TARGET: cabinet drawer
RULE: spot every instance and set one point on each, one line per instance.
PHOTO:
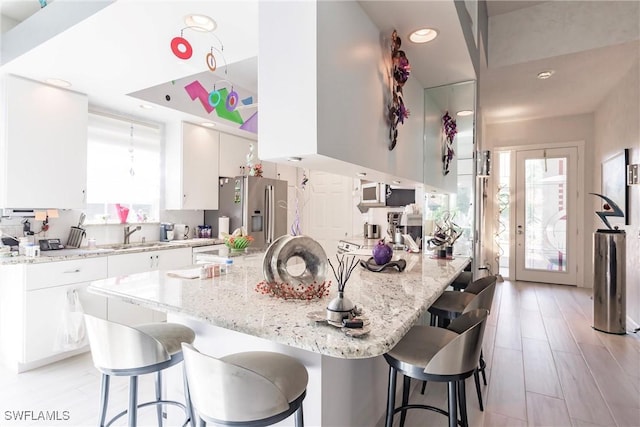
(65, 272)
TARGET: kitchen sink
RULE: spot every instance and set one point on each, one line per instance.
(120, 246)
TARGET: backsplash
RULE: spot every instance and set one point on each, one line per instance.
(102, 233)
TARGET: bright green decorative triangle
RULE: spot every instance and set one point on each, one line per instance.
(223, 113)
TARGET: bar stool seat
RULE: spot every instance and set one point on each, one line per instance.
(121, 350)
(436, 354)
(256, 388)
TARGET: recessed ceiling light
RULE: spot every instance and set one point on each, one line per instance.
(463, 113)
(208, 124)
(543, 75)
(423, 35)
(396, 182)
(362, 174)
(58, 82)
(200, 22)
(146, 106)
(294, 159)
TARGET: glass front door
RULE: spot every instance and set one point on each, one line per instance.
(545, 216)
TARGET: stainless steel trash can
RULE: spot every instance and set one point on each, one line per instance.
(609, 281)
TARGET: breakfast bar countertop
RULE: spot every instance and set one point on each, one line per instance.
(392, 301)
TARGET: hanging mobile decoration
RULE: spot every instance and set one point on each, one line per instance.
(296, 230)
(132, 172)
(181, 47)
(400, 70)
(449, 131)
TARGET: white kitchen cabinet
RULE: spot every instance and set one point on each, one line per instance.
(124, 264)
(233, 157)
(191, 167)
(43, 146)
(233, 154)
(32, 304)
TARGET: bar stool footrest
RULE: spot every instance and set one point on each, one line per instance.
(427, 407)
(153, 402)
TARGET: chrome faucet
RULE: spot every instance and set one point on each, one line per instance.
(128, 232)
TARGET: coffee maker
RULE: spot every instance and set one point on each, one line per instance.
(393, 228)
(166, 231)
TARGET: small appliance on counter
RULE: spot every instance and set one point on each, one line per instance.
(371, 231)
(166, 231)
(393, 228)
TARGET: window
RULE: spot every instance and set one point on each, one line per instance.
(123, 161)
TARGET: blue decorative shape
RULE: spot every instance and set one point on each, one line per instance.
(247, 101)
(615, 210)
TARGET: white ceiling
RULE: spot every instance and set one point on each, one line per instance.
(125, 49)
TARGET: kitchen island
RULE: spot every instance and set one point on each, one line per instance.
(347, 375)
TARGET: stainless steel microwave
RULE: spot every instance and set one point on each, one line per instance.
(372, 193)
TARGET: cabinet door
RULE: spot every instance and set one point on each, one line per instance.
(174, 258)
(233, 154)
(131, 314)
(45, 311)
(119, 265)
(199, 167)
(45, 146)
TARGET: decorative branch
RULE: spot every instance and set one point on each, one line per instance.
(343, 271)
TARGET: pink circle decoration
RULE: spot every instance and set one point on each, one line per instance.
(215, 98)
(181, 48)
(232, 100)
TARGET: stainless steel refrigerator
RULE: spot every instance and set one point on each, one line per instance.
(257, 203)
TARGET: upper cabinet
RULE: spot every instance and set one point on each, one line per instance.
(233, 157)
(43, 146)
(233, 154)
(191, 167)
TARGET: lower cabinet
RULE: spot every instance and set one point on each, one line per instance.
(33, 305)
(45, 327)
(33, 302)
(123, 264)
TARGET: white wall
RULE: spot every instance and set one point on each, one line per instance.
(554, 130)
(617, 127)
(327, 92)
(287, 79)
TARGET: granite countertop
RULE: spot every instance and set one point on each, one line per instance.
(392, 302)
(105, 250)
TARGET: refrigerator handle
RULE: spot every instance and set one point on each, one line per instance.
(270, 214)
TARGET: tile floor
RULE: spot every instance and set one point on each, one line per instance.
(546, 367)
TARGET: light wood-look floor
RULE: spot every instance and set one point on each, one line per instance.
(546, 367)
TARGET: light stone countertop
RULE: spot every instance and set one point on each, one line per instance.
(106, 250)
(392, 301)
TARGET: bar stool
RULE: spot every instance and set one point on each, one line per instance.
(120, 350)
(462, 280)
(429, 353)
(256, 388)
(452, 304)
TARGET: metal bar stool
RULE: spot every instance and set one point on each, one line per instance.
(429, 353)
(120, 350)
(451, 304)
(256, 388)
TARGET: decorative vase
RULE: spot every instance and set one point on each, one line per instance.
(449, 250)
(382, 253)
(442, 253)
(339, 308)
